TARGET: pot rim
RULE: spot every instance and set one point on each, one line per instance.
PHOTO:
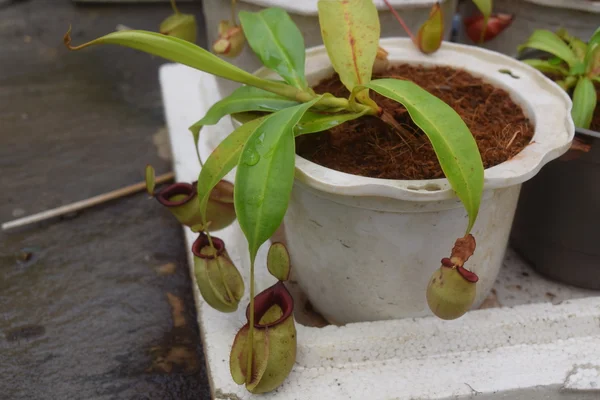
(588, 132)
(309, 7)
(532, 91)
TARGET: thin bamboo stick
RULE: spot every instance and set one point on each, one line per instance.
(80, 205)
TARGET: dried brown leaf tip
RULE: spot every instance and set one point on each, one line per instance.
(67, 38)
(463, 249)
(382, 62)
(382, 54)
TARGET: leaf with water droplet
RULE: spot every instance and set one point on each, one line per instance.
(250, 156)
(243, 99)
(222, 160)
(262, 191)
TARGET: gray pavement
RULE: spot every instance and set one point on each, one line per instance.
(97, 305)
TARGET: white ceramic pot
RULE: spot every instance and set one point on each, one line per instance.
(363, 249)
(580, 17)
(305, 15)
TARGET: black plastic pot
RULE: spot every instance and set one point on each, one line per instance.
(557, 223)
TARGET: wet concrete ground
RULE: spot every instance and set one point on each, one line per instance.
(97, 305)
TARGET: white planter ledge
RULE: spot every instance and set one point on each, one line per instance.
(545, 351)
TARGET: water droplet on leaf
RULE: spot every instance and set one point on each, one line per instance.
(251, 157)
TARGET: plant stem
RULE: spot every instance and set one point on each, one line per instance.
(174, 7)
(233, 4)
(198, 155)
(390, 120)
(400, 20)
(303, 97)
(485, 25)
(210, 242)
(249, 372)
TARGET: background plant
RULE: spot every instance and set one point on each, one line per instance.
(575, 64)
(263, 148)
(431, 33)
(180, 25)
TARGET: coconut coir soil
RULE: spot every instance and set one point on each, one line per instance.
(369, 147)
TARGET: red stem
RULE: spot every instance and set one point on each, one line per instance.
(485, 24)
(399, 19)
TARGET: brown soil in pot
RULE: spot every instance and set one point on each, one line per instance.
(369, 147)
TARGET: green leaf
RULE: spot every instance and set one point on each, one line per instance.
(316, 122)
(584, 103)
(244, 117)
(265, 175)
(350, 31)
(243, 99)
(222, 160)
(184, 52)
(546, 66)
(549, 42)
(278, 43)
(579, 47)
(567, 83)
(196, 135)
(452, 141)
(595, 38)
(485, 7)
(312, 121)
(592, 61)
(150, 179)
(555, 61)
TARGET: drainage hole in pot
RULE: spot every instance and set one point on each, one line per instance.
(430, 187)
(509, 73)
